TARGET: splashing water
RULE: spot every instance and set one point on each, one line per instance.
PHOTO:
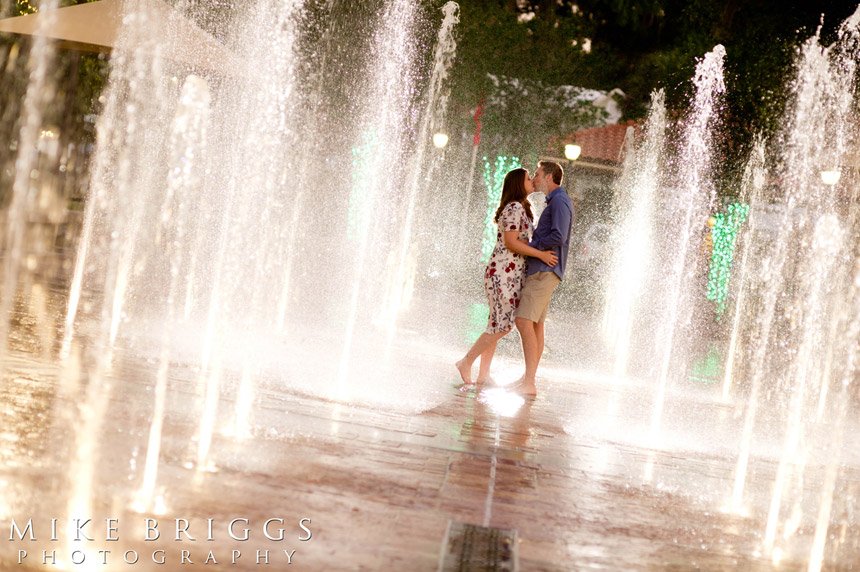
(695, 198)
(633, 241)
(267, 226)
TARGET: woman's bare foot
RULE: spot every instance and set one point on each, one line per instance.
(465, 371)
(485, 380)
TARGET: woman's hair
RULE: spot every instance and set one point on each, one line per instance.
(514, 191)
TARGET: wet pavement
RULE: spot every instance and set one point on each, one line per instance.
(574, 472)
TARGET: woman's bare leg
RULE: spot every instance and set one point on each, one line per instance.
(486, 360)
(484, 342)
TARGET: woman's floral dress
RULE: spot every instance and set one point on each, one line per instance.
(503, 279)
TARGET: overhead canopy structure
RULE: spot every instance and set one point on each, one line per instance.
(99, 25)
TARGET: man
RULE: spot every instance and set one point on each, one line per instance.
(552, 233)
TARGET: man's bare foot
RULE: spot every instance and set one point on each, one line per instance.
(465, 371)
(527, 388)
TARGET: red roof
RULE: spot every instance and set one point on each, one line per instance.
(600, 143)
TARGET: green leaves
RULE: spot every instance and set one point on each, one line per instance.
(638, 46)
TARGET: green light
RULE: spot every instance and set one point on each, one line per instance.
(478, 315)
(494, 178)
(724, 236)
(708, 369)
(358, 210)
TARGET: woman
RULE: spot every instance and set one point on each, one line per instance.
(503, 278)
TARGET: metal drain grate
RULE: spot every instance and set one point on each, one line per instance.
(473, 548)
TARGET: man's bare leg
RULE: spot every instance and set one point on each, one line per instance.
(484, 342)
(539, 333)
(486, 360)
(530, 354)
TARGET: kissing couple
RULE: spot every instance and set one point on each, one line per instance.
(526, 267)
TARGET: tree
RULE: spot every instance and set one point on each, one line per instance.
(642, 45)
(538, 47)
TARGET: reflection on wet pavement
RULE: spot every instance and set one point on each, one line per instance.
(573, 472)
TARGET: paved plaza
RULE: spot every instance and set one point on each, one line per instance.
(572, 472)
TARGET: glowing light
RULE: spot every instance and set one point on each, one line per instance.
(572, 151)
(830, 177)
(777, 556)
(502, 402)
(494, 177)
(24, 7)
(440, 140)
(724, 238)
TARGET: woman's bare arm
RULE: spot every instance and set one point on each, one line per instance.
(514, 244)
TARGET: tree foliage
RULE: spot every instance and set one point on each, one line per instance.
(641, 45)
(504, 40)
(634, 45)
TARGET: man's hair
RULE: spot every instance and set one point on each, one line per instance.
(552, 168)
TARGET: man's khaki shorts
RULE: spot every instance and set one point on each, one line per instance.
(536, 294)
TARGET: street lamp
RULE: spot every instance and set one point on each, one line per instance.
(572, 151)
(830, 177)
(440, 140)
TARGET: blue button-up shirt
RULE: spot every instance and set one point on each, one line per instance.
(553, 233)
